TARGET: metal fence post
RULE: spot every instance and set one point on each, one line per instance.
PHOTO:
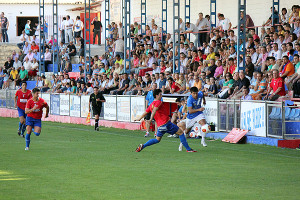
(116, 107)
(227, 116)
(235, 114)
(218, 114)
(283, 119)
(267, 118)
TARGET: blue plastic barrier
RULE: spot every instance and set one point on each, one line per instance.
(50, 68)
(75, 67)
(31, 84)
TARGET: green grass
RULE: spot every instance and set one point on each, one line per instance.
(74, 162)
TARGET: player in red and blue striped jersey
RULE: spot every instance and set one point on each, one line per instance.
(21, 97)
(159, 112)
(34, 111)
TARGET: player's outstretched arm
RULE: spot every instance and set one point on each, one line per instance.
(141, 117)
(153, 113)
(47, 111)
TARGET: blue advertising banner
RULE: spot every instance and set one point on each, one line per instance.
(55, 104)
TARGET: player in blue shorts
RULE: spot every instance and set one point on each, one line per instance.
(21, 97)
(34, 111)
(195, 113)
(159, 113)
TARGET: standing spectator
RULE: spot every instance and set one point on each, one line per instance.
(119, 47)
(68, 29)
(276, 87)
(78, 26)
(62, 30)
(2, 75)
(276, 18)
(28, 29)
(191, 28)
(224, 23)
(202, 25)
(45, 25)
(4, 27)
(97, 30)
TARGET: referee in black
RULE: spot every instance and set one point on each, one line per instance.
(96, 99)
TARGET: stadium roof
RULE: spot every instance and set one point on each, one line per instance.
(46, 1)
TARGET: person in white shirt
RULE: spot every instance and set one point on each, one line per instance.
(191, 28)
(26, 48)
(78, 26)
(224, 23)
(156, 69)
(27, 64)
(276, 52)
(120, 30)
(62, 30)
(119, 47)
(17, 64)
(68, 29)
(23, 39)
(202, 25)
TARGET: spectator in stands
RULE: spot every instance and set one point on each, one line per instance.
(249, 67)
(47, 59)
(224, 23)
(27, 64)
(4, 27)
(28, 29)
(13, 76)
(132, 83)
(5, 79)
(8, 64)
(287, 68)
(276, 18)
(26, 48)
(260, 87)
(34, 46)
(119, 47)
(78, 26)
(23, 76)
(46, 84)
(17, 63)
(291, 80)
(246, 95)
(23, 39)
(68, 29)
(192, 28)
(276, 88)
(72, 49)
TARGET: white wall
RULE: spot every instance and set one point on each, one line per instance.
(12, 11)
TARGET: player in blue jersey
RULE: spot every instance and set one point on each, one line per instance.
(195, 114)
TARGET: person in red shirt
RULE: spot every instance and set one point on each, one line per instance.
(34, 46)
(158, 112)
(277, 86)
(174, 87)
(34, 111)
(21, 97)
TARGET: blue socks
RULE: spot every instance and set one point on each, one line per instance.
(20, 126)
(27, 139)
(23, 129)
(37, 134)
(151, 142)
(184, 142)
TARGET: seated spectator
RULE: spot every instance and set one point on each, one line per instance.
(213, 89)
(124, 84)
(5, 79)
(27, 64)
(34, 69)
(8, 64)
(17, 63)
(276, 88)
(223, 94)
(132, 84)
(260, 87)
(242, 83)
(71, 49)
(23, 38)
(13, 76)
(34, 46)
(46, 84)
(89, 89)
(23, 76)
(47, 59)
(246, 95)
(249, 68)
(219, 70)
(26, 48)
(174, 87)
(292, 79)
(287, 68)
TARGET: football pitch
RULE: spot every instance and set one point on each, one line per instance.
(74, 162)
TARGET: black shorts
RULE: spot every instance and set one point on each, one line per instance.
(96, 110)
(77, 34)
(147, 117)
(81, 52)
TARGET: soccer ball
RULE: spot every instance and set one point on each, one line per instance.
(205, 128)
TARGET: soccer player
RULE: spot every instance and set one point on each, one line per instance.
(34, 111)
(195, 113)
(96, 99)
(21, 97)
(158, 112)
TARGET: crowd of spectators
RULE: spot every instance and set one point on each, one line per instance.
(209, 62)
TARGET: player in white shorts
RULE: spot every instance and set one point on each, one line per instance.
(195, 114)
